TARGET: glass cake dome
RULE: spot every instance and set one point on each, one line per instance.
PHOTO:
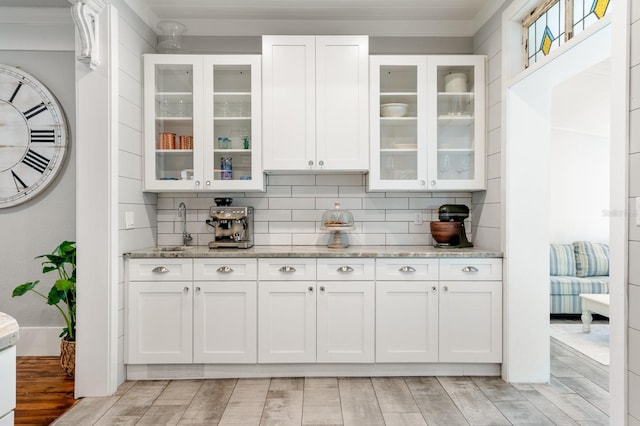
(337, 220)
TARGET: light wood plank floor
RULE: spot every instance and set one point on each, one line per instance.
(577, 395)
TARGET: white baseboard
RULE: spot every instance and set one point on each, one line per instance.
(38, 341)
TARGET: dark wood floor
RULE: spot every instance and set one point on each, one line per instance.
(43, 391)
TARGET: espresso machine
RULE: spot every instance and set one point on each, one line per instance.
(449, 232)
(233, 226)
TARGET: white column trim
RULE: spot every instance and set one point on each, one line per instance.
(85, 14)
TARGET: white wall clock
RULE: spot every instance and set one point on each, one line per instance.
(33, 137)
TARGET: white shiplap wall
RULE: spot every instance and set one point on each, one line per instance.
(487, 205)
(634, 231)
(290, 212)
(135, 39)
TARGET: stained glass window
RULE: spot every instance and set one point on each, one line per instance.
(545, 29)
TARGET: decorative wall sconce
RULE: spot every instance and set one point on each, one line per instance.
(85, 16)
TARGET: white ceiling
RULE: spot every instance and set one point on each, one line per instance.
(417, 18)
(372, 17)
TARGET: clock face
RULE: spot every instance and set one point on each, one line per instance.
(33, 136)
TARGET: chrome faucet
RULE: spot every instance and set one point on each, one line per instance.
(182, 212)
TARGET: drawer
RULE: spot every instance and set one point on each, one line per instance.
(287, 269)
(225, 269)
(406, 269)
(346, 269)
(160, 269)
(470, 269)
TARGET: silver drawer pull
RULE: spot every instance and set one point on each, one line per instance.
(407, 269)
(469, 269)
(160, 270)
(345, 269)
(287, 268)
(224, 269)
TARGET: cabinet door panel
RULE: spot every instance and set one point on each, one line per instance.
(289, 102)
(470, 321)
(159, 321)
(286, 322)
(342, 102)
(224, 319)
(346, 321)
(406, 322)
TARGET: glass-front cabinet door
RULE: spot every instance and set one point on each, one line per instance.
(232, 122)
(202, 122)
(456, 125)
(398, 123)
(173, 136)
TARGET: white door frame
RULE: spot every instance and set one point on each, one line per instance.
(526, 198)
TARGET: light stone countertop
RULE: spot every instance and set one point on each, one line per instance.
(8, 331)
(311, 251)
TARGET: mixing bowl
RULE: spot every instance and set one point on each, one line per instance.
(445, 232)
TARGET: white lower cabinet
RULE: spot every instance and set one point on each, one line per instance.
(327, 321)
(159, 322)
(426, 318)
(287, 322)
(307, 310)
(210, 317)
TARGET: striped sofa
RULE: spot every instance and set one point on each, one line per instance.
(580, 267)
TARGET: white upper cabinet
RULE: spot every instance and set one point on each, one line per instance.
(398, 123)
(203, 122)
(315, 103)
(456, 122)
(427, 119)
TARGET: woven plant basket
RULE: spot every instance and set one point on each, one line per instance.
(68, 356)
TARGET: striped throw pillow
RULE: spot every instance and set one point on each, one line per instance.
(592, 259)
(561, 259)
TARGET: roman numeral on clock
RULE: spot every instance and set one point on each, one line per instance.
(32, 112)
(15, 92)
(19, 182)
(36, 161)
(43, 136)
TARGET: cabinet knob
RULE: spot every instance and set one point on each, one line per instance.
(445, 288)
(433, 183)
(321, 163)
(208, 183)
(423, 183)
(198, 289)
(310, 289)
(186, 289)
(345, 269)
(469, 269)
(434, 289)
(224, 269)
(322, 289)
(160, 270)
(407, 269)
(310, 163)
(197, 184)
(287, 268)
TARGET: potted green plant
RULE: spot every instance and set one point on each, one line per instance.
(62, 295)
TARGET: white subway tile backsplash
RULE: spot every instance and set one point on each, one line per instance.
(386, 227)
(494, 141)
(291, 203)
(307, 215)
(292, 227)
(291, 210)
(314, 191)
(345, 203)
(272, 215)
(494, 116)
(386, 203)
(272, 239)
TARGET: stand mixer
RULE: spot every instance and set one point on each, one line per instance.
(449, 232)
